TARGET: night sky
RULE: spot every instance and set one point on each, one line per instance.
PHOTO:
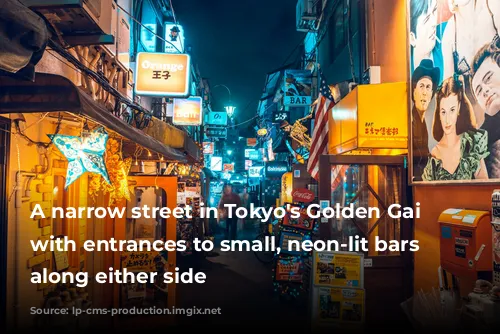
(236, 42)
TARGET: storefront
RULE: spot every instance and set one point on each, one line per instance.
(366, 167)
(56, 125)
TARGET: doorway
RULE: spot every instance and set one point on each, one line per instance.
(4, 155)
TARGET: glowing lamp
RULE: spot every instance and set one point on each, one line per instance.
(230, 110)
(84, 154)
(262, 132)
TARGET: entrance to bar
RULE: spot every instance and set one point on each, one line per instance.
(4, 153)
(373, 182)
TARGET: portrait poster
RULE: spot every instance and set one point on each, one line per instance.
(337, 269)
(289, 269)
(341, 305)
(297, 88)
(455, 90)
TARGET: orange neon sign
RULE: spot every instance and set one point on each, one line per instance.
(162, 74)
(188, 111)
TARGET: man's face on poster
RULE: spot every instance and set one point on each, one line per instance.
(422, 94)
(486, 85)
(424, 37)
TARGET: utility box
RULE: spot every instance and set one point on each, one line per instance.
(465, 243)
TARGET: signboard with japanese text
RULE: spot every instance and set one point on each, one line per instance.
(162, 74)
(208, 148)
(216, 164)
(216, 132)
(289, 269)
(176, 41)
(338, 269)
(279, 116)
(455, 104)
(297, 87)
(248, 164)
(139, 261)
(255, 172)
(188, 111)
(217, 118)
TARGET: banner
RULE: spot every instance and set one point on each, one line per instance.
(338, 269)
(455, 91)
(297, 88)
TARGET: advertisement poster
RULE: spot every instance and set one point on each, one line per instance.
(455, 76)
(341, 305)
(286, 236)
(338, 269)
(289, 269)
(304, 222)
(297, 88)
(139, 261)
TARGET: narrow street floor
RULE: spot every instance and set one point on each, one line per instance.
(242, 287)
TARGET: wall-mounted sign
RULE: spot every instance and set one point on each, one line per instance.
(252, 154)
(248, 164)
(162, 74)
(279, 116)
(228, 168)
(251, 142)
(217, 118)
(188, 111)
(216, 132)
(216, 164)
(302, 195)
(297, 88)
(255, 172)
(208, 148)
(276, 168)
(174, 33)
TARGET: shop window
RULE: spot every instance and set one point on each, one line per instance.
(367, 186)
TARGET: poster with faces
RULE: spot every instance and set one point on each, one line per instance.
(455, 90)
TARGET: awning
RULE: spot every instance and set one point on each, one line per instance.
(370, 117)
(55, 93)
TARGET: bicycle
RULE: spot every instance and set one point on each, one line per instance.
(266, 230)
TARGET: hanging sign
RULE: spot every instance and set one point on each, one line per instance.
(188, 111)
(228, 168)
(251, 142)
(302, 195)
(297, 88)
(216, 164)
(217, 118)
(279, 116)
(276, 168)
(255, 172)
(286, 188)
(176, 38)
(208, 148)
(248, 164)
(162, 74)
(216, 132)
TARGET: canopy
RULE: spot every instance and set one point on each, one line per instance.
(55, 93)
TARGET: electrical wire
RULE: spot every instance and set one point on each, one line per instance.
(151, 31)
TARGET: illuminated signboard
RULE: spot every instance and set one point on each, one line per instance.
(255, 171)
(297, 87)
(248, 164)
(177, 43)
(208, 148)
(162, 74)
(276, 168)
(228, 168)
(216, 164)
(188, 111)
(217, 118)
(252, 154)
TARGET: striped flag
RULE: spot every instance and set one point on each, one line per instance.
(319, 145)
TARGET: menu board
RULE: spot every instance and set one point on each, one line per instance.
(289, 269)
(339, 305)
(338, 269)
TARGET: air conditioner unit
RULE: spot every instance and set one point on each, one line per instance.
(307, 13)
(81, 22)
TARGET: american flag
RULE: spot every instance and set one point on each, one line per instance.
(319, 145)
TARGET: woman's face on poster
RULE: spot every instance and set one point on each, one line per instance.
(448, 114)
(424, 38)
(423, 93)
(486, 85)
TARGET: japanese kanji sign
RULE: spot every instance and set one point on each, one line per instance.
(162, 74)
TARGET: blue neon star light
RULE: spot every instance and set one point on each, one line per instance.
(84, 154)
